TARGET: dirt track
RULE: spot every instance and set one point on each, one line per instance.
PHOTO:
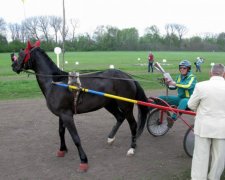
(29, 141)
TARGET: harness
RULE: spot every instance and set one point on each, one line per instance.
(74, 80)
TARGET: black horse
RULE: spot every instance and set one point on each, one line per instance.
(60, 100)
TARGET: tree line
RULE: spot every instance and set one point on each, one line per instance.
(48, 29)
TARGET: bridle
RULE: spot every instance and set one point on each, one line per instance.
(25, 55)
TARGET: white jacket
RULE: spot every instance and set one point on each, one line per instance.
(208, 100)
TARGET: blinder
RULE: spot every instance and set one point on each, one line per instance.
(21, 58)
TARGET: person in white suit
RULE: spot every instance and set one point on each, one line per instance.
(208, 101)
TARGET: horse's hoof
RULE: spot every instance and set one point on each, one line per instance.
(130, 152)
(111, 140)
(83, 167)
(60, 153)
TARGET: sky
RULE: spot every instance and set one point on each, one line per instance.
(199, 16)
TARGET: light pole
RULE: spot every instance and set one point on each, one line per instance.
(63, 34)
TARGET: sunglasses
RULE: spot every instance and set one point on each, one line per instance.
(182, 68)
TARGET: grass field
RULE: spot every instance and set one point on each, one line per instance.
(15, 86)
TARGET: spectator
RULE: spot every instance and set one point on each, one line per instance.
(208, 101)
(185, 83)
(150, 62)
(198, 63)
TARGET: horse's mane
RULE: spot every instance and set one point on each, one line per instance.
(55, 69)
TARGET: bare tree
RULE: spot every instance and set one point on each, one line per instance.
(99, 33)
(169, 32)
(74, 24)
(15, 30)
(66, 32)
(170, 29)
(2, 26)
(181, 30)
(171, 37)
(56, 24)
(31, 25)
(24, 33)
(152, 30)
(43, 26)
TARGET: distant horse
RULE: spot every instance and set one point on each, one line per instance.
(60, 100)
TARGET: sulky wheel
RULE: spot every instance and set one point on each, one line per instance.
(157, 124)
(189, 141)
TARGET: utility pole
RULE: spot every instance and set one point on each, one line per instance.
(63, 34)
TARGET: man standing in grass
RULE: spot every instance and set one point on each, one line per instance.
(198, 64)
(150, 62)
(208, 101)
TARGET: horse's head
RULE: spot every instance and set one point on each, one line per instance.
(23, 62)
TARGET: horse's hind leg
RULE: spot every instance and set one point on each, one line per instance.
(116, 112)
(68, 122)
(120, 116)
(63, 147)
(133, 127)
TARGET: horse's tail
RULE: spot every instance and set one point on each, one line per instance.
(142, 110)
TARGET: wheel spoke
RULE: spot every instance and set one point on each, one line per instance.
(154, 126)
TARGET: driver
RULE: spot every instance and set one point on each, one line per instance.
(185, 84)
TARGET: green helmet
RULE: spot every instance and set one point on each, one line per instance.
(185, 63)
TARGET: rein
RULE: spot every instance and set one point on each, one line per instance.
(30, 48)
(48, 75)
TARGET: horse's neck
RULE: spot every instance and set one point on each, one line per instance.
(45, 70)
(43, 65)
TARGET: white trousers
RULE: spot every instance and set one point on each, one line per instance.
(203, 149)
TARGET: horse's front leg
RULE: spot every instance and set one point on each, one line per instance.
(63, 148)
(67, 118)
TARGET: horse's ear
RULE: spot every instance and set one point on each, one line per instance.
(29, 46)
(37, 43)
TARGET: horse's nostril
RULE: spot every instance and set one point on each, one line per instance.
(14, 58)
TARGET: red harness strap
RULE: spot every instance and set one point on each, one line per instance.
(28, 48)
